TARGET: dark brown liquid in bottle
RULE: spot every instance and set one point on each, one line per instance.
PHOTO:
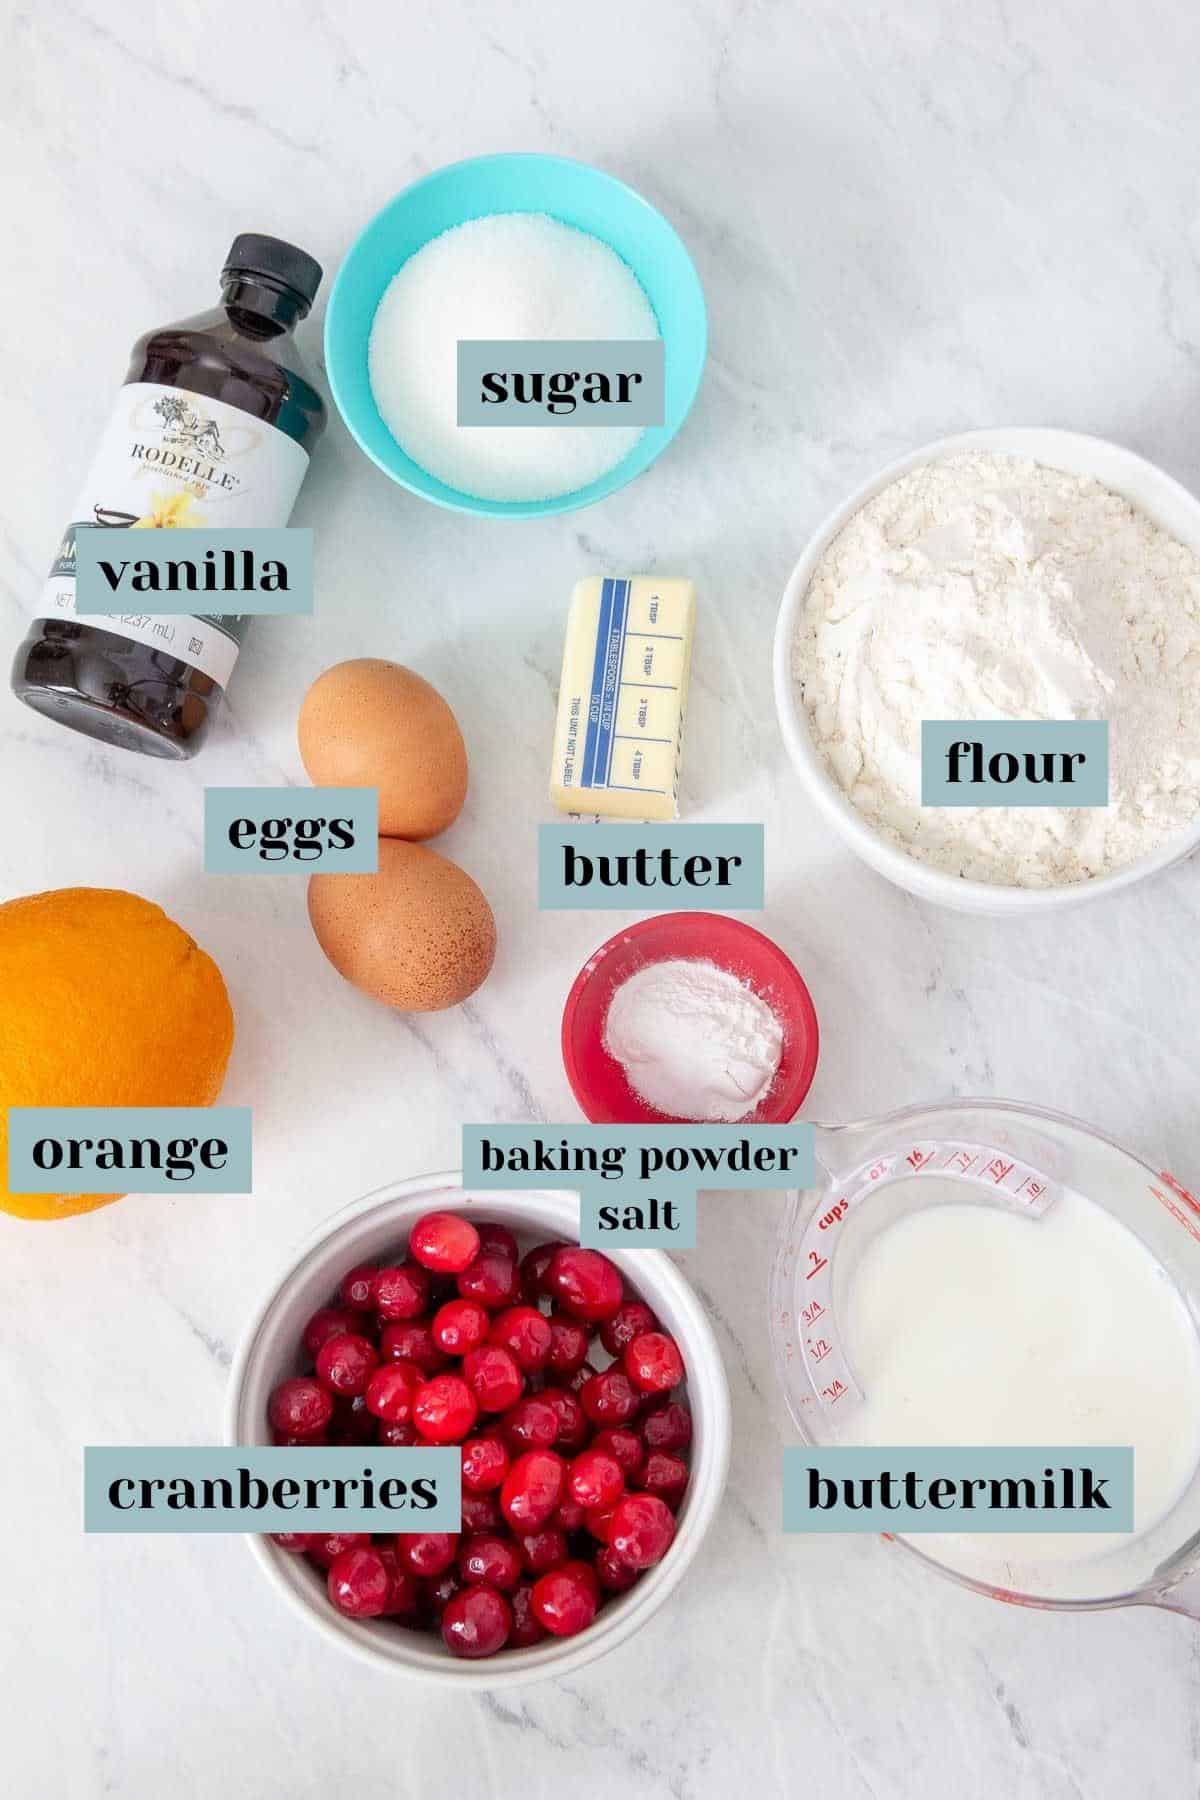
(136, 695)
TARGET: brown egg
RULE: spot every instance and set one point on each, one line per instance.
(418, 935)
(370, 723)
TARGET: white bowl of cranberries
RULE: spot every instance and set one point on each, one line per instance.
(586, 1392)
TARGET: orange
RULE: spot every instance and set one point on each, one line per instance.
(104, 1001)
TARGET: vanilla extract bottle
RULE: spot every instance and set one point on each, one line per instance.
(213, 427)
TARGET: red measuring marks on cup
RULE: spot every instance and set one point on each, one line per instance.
(1182, 1205)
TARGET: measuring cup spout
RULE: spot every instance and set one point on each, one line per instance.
(1183, 1597)
(828, 1149)
(840, 1148)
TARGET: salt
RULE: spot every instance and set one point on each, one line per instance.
(511, 275)
(693, 1040)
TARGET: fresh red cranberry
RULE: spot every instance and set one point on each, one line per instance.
(595, 1479)
(355, 1291)
(653, 1363)
(543, 1549)
(525, 1628)
(485, 1462)
(534, 1264)
(330, 1321)
(443, 1241)
(352, 1422)
(573, 1428)
(297, 1541)
(598, 1520)
(476, 1622)
(413, 1373)
(325, 1550)
(295, 1440)
(666, 1475)
(427, 1553)
(438, 1593)
(624, 1445)
(300, 1407)
(488, 1558)
(499, 1240)
(568, 1346)
(532, 1489)
(667, 1425)
(411, 1340)
(480, 1512)
(460, 1326)
(444, 1409)
(628, 1322)
(642, 1529)
(492, 1278)
(565, 1600)
(401, 1292)
(404, 1591)
(389, 1393)
(568, 1515)
(610, 1398)
(344, 1363)
(585, 1283)
(397, 1437)
(525, 1332)
(358, 1583)
(616, 1577)
(532, 1424)
(493, 1377)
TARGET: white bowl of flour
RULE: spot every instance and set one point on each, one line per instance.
(1017, 573)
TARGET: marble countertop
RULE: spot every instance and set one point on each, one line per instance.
(909, 220)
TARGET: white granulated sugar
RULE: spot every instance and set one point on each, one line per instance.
(990, 587)
(512, 275)
(693, 1040)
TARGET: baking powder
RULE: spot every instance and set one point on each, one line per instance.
(694, 1041)
(990, 587)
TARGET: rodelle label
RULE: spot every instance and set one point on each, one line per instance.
(1007, 762)
(168, 460)
(251, 571)
(961, 1488)
(291, 831)
(671, 868)
(561, 381)
(256, 1488)
(129, 1149)
(637, 1184)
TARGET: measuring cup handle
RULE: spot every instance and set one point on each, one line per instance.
(1183, 1598)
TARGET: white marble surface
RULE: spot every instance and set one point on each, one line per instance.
(909, 220)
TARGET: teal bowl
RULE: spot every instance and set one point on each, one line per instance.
(570, 191)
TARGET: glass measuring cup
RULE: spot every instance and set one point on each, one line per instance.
(1003, 1154)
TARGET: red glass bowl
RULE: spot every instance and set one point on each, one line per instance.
(598, 1082)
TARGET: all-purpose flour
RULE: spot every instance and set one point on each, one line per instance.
(990, 587)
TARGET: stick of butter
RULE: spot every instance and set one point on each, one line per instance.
(620, 706)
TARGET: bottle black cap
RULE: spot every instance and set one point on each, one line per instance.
(274, 261)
